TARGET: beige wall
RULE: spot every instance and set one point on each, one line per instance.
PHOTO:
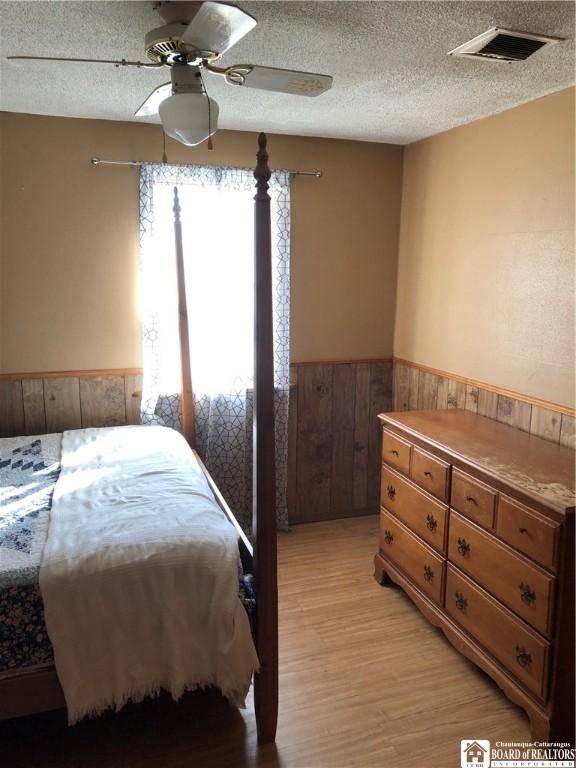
(69, 250)
(486, 264)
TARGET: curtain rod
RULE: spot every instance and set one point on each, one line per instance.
(98, 161)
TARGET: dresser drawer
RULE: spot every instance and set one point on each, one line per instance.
(474, 499)
(508, 639)
(396, 452)
(422, 513)
(418, 561)
(522, 586)
(430, 473)
(527, 531)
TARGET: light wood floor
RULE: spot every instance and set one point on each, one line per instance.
(365, 681)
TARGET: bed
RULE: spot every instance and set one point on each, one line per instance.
(34, 540)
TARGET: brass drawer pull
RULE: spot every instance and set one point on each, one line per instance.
(522, 656)
(428, 474)
(394, 452)
(472, 500)
(388, 537)
(461, 602)
(428, 574)
(463, 547)
(391, 492)
(431, 522)
(527, 595)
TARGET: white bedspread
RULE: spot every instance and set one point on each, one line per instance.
(139, 575)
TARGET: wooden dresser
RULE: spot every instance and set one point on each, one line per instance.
(477, 526)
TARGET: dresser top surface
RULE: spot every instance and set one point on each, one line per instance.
(541, 469)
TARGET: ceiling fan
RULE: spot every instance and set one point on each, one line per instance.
(194, 36)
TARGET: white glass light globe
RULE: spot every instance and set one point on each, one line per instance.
(184, 117)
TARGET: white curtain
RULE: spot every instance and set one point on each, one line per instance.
(218, 241)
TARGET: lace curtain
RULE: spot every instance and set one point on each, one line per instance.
(218, 240)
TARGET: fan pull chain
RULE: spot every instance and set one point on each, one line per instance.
(164, 156)
(209, 145)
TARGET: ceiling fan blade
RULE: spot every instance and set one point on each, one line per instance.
(153, 101)
(217, 27)
(280, 80)
(120, 63)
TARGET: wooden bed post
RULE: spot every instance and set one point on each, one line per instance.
(264, 477)
(187, 401)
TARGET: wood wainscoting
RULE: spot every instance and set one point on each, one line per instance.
(40, 403)
(420, 387)
(334, 435)
(334, 442)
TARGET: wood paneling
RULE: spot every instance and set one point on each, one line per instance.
(334, 440)
(471, 398)
(48, 403)
(456, 394)
(545, 424)
(103, 401)
(361, 427)
(427, 391)
(291, 490)
(401, 387)
(11, 409)
(514, 413)
(343, 412)
(133, 396)
(314, 447)
(487, 403)
(568, 431)
(34, 411)
(420, 387)
(380, 402)
(547, 404)
(442, 400)
(62, 404)
(413, 379)
(335, 444)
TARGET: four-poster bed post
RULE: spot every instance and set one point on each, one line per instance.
(187, 401)
(264, 476)
(264, 488)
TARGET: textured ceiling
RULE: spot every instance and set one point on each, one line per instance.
(392, 79)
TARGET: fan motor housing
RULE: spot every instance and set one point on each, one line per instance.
(164, 42)
(164, 45)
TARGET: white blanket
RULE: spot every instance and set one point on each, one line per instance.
(139, 575)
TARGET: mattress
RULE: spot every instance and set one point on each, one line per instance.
(29, 469)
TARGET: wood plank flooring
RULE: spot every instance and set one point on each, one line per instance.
(365, 681)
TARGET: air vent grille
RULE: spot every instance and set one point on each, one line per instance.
(503, 45)
(509, 47)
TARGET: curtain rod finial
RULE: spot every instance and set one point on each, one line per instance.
(95, 160)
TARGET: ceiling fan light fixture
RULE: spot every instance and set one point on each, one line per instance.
(185, 118)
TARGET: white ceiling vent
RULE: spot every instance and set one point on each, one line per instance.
(503, 45)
